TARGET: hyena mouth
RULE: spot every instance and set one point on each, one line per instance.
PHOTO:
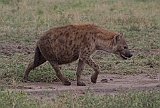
(123, 56)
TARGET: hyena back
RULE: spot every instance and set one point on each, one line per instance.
(69, 43)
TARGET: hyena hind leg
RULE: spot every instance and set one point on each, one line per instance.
(32, 65)
(59, 74)
(78, 73)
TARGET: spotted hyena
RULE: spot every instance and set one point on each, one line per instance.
(69, 43)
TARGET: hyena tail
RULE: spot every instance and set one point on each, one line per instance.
(37, 57)
(38, 60)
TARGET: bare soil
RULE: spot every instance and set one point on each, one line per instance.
(106, 84)
(11, 48)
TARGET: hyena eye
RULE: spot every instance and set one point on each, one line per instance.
(125, 47)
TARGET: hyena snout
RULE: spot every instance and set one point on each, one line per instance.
(126, 54)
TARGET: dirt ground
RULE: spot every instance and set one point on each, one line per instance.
(10, 48)
(107, 83)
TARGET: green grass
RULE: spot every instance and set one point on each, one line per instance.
(22, 22)
(134, 99)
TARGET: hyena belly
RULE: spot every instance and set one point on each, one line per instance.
(59, 50)
(66, 55)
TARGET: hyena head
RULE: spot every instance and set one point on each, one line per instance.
(120, 47)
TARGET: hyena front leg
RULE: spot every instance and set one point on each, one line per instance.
(78, 73)
(91, 63)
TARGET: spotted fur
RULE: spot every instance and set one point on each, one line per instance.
(69, 43)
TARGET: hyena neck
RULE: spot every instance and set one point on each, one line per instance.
(104, 45)
(104, 40)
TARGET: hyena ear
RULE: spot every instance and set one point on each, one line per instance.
(121, 34)
(117, 38)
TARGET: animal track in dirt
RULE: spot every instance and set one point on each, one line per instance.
(107, 83)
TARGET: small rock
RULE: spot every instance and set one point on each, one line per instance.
(104, 80)
(111, 79)
(151, 66)
(19, 47)
(28, 52)
(117, 62)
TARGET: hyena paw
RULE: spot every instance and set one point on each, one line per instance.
(81, 84)
(93, 79)
(67, 83)
(25, 79)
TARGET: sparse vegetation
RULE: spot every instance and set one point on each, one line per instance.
(22, 22)
(134, 99)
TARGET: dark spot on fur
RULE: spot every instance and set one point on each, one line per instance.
(61, 41)
(61, 34)
(76, 33)
(70, 42)
(67, 34)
